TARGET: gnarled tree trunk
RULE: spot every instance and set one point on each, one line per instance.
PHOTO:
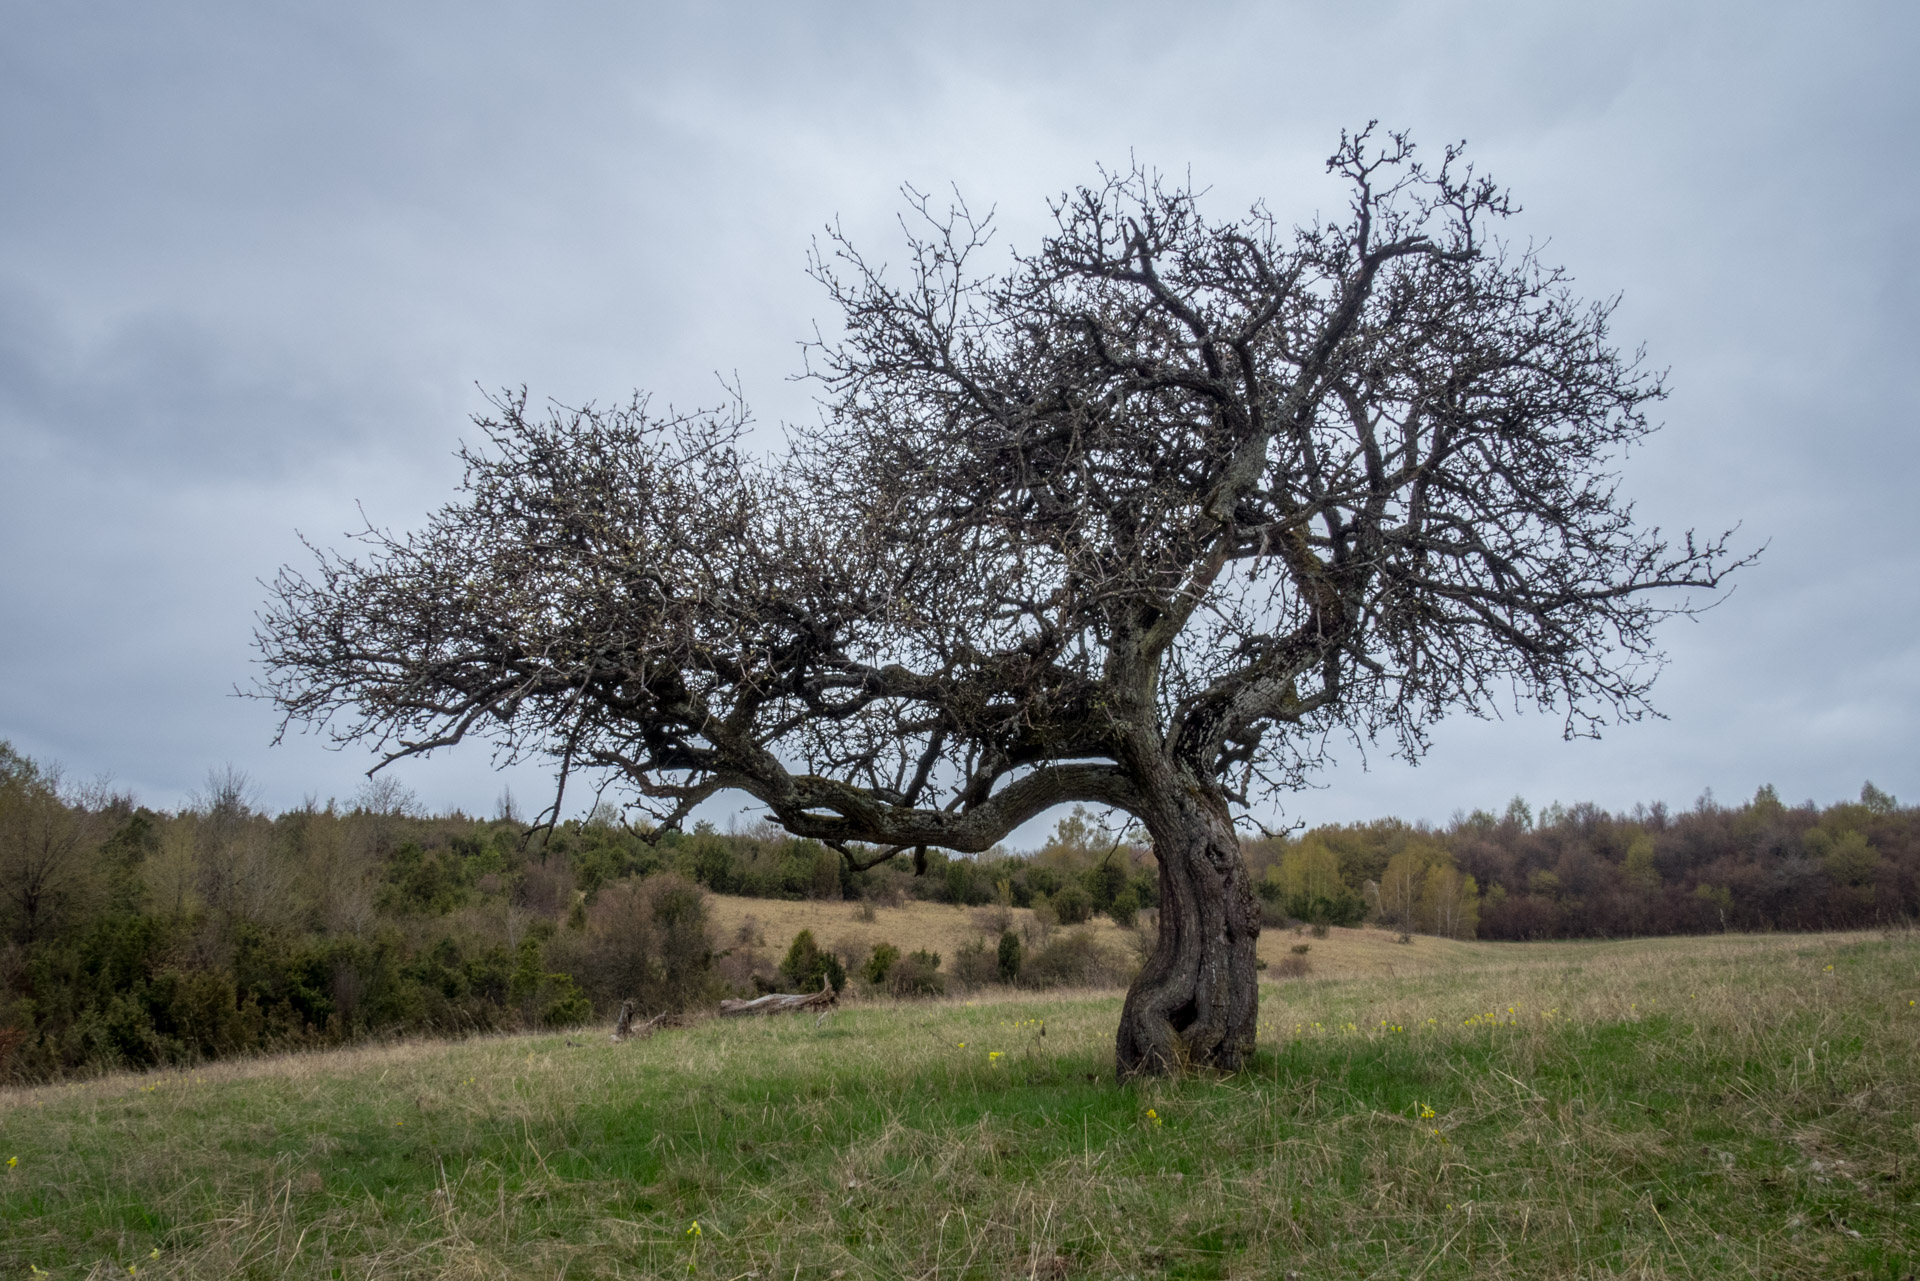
(1197, 1000)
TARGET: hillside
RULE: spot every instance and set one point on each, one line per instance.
(1363, 952)
(1736, 1105)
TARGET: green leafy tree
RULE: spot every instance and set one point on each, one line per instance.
(1104, 881)
(1401, 886)
(1877, 801)
(1638, 869)
(1851, 861)
(1449, 902)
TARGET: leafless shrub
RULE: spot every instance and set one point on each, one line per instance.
(917, 974)
(1077, 959)
(887, 887)
(852, 954)
(545, 888)
(647, 940)
(993, 921)
(976, 964)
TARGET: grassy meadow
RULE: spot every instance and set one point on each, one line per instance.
(1682, 1107)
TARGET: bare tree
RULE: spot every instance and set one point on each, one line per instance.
(239, 872)
(50, 833)
(1138, 520)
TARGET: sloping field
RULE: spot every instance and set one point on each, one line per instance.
(1343, 954)
(1733, 1106)
(936, 927)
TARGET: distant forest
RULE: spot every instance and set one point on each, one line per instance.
(136, 937)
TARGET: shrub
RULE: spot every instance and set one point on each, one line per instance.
(648, 941)
(993, 921)
(1043, 880)
(880, 963)
(1342, 908)
(1126, 907)
(547, 998)
(1104, 882)
(421, 882)
(918, 974)
(808, 968)
(852, 955)
(560, 1003)
(1293, 966)
(1044, 918)
(976, 965)
(1073, 905)
(1077, 960)
(1008, 957)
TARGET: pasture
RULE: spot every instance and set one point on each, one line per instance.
(1725, 1106)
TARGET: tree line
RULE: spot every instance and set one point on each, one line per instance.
(1581, 872)
(134, 937)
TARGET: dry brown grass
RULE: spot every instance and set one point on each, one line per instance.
(1366, 952)
(1361, 953)
(934, 927)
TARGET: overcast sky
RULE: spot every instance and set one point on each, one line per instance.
(255, 261)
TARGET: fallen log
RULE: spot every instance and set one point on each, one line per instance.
(781, 1003)
(625, 1029)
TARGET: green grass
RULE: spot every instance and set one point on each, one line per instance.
(1683, 1108)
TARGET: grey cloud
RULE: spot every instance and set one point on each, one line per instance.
(166, 397)
(253, 261)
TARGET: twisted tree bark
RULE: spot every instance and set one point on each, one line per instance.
(1196, 1001)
